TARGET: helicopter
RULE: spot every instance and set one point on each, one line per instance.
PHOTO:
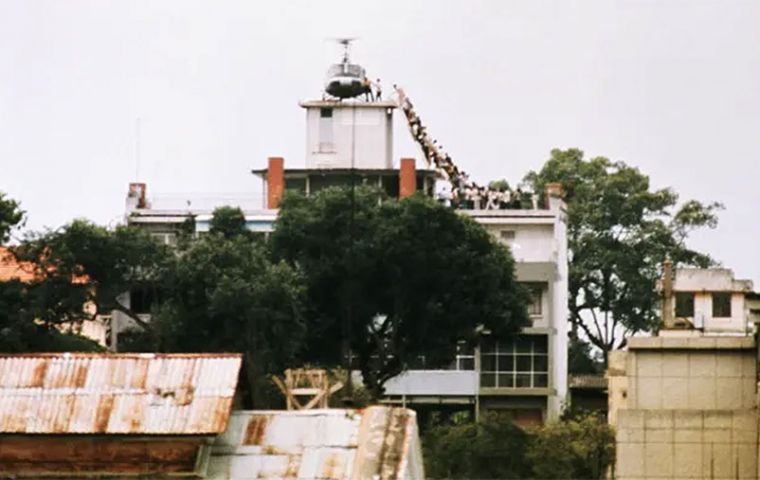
(345, 79)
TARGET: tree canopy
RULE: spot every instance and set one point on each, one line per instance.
(619, 232)
(11, 216)
(399, 279)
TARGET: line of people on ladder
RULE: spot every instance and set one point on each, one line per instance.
(464, 192)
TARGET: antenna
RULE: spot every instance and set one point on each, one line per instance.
(137, 149)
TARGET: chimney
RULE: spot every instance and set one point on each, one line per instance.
(407, 178)
(136, 196)
(275, 181)
(553, 194)
(667, 293)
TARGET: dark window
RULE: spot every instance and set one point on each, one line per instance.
(325, 112)
(296, 184)
(684, 304)
(520, 363)
(535, 296)
(721, 305)
(142, 299)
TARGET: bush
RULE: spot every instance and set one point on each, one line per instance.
(579, 447)
(493, 448)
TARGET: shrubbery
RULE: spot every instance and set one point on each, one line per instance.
(579, 447)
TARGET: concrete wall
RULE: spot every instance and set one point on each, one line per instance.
(688, 409)
(681, 444)
(691, 379)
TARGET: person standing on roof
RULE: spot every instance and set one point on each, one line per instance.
(378, 90)
(367, 89)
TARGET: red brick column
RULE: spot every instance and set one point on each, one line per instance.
(275, 181)
(407, 178)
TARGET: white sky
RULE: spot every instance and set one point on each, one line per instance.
(672, 87)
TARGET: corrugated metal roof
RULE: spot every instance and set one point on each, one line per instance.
(377, 442)
(117, 393)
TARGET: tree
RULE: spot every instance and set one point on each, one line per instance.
(11, 216)
(580, 447)
(492, 448)
(88, 265)
(619, 233)
(228, 222)
(214, 293)
(222, 294)
(23, 325)
(398, 279)
(581, 359)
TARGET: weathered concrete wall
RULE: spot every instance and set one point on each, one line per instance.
(681, 444)
(691, 379)
(689, 409)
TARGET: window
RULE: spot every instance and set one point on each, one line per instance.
(326, 131)
(721, 305)
(684, 304)
(520, 363)
(506, 236)
(142, 299)
(535, 297)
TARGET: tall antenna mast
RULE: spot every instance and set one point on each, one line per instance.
(137, 149)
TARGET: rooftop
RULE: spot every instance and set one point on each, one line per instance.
(176, 394)
(347, 103)
(377, 442)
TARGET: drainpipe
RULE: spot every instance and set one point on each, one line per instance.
(667, 293)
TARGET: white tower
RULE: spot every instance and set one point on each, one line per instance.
(339, 131)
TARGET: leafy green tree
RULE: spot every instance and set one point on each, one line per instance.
(86, 264)
(223, 294)
(581, 447)
(492, 448)
(24, 320)
(619, 232)
(11, 216)
(228, 222)
(398, 279)
(215, 293)
(582, 359)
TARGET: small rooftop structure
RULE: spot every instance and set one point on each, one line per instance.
(709, 300)
(374, 443)
(179, 394)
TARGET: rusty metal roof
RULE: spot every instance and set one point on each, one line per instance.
(117, 393)
(331, 444)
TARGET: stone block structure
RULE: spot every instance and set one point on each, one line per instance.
(685, 407)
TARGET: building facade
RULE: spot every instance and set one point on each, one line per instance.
(350, 142)
(684, 402)
(526, 377)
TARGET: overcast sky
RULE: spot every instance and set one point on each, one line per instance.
(670, 87)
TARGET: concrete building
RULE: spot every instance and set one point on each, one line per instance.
(350, 142)
(684, 403)
(527, 376)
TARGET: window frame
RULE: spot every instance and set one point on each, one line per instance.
(507, 367)
(725, 303)
(678, 313)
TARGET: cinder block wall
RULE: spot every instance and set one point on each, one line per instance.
(690, 410)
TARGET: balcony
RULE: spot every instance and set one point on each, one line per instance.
(430, 383)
